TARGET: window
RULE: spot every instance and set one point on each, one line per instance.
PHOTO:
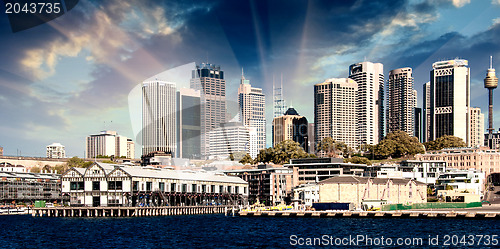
(135, 186)
(193, 188)
(212, 189)
(76, 185)
(203, 188)
(115, 185)
(236, 189)
(162, 186)
(172, 187)
(149, 186)
(184, 188)
(96, 186)
(221, 189)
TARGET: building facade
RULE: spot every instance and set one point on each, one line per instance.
(370, 101)
(209, 80)
(56, 150)
(109, 143)
(252, 102)
(401, 101)
(188, 123)
(104, 184)
(335, 111)
(449, 100)
(476, 127)
(158, 117)
(29, 187)
(229, 138)
(291, 126)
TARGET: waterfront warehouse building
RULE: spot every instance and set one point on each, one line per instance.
(291, 126)
(448, 101)
(104, 184)
(188, 123)
(158, 117)
(268, 185)
(335, 111)
(209, 80)
(401, 101)
(109, 143)
(372, 191)
(56, 150)
(29, 187)
(252, 102)
(370, 101)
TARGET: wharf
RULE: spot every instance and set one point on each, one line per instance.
(129, 211)
(377, 214)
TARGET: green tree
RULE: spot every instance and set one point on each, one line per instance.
(398, 144)
(247, 159)
(282, 153)
(77, 163)
(333, 148)
(265, 155)
(231, 157)
(446, 141)
(358, 159)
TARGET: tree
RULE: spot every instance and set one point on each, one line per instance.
(333, 148)
(77, 163)
(247, 159)
(358, 159)
(446, 141)
(398, 144)
(282, 153)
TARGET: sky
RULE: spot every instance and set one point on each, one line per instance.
(73, 76)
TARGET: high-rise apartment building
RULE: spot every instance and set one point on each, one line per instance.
(209, 80)
(401, 101)
(370, 101)
(109, 143)
(447, 101)
(56, 150)
(291, 126)
(188, 123)
(227, 139)
(158, 117)
(335, 111)
(252, 103)
(476, 127)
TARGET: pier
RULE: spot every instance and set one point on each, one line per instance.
(377, 214)
(129, 211)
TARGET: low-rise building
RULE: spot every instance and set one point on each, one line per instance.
(479, 158)
(104, 184)
(7, 167)
(267, 185)
(463, 180)
(459, 195)
(29, 187)
(306, 194)
(56, 150)
(368, 191)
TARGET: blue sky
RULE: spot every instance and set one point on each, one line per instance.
(71, 77)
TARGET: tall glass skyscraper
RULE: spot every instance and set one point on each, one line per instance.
(401, 101)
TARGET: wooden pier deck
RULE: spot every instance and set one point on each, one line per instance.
(377, 214)
(128, 211)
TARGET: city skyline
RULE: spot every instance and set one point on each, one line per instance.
(68, 78)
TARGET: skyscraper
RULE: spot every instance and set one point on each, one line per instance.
(209, 80)
(252, 103)
(401, 101)
(279, 106)
(476, 127)
(335, 111)
(108, 143)
(426, 115)
(448, 100)
(227, 139)
(291, 126)
(188, 123)
(158, 117)
(370, 108)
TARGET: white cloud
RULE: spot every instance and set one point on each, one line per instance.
(496, 20)
(460, 3)
(497, 2)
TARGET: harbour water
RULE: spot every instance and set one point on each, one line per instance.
(219, 231)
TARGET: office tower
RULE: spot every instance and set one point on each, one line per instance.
(279, 106)
(108, 143)
(291, 126)
(209, 80)
(130, 149)
(418, 124)
(401, 101)
(335, 111)
(227, 139)
(56, 150)
(448, 100)
(158, 117)
(490, 83)
(188, 123)
(311, 137)
(370, 108)
(252, 104)
(426, 115)
(476, 127)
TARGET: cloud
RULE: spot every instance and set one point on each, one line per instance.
(497, 2)
(460, 3)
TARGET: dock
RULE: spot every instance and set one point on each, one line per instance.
(129, 211)
(446, 214)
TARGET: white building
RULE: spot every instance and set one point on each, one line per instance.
(109, 143)
(401, 101)
(252, 102)
(448, 102)
(104, 184)
(476, 127)
(56, 150)
(464, 180)
(306, 194)
(158, 117)
(422, 171)
(229, 138)
(335, 114)
(370, 108)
